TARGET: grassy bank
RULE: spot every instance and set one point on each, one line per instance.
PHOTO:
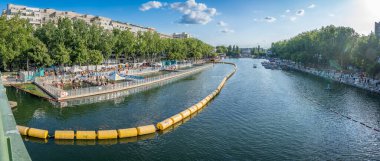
(32, 89)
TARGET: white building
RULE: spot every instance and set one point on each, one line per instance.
(37, 17)
(182, 35)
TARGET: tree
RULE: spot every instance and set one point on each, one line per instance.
(38, 54)
(61, 55)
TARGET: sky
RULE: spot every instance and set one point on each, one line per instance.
(246, 23)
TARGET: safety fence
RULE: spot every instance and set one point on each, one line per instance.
(59, 94)
(116, 96)
(127, 132)
(96, 90)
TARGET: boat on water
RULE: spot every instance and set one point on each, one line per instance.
(254, 66)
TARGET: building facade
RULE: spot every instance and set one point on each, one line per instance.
(37, 17)
(182, 35)
(377, 29)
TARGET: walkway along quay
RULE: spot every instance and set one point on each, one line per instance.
(60, 94)
(355, 80)
(143, 130)
(11, 144)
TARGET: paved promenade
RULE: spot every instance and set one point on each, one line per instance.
(353, 79)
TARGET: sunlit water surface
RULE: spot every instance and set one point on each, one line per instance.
(260, 114)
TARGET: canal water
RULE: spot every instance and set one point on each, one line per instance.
(260, 115)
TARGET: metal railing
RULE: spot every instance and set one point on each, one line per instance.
(12, 147)
(45, 82)
(349, 79)
(125, 85)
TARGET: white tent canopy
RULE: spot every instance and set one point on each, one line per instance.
(116, 77)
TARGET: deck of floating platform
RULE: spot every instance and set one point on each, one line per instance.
(133, 86)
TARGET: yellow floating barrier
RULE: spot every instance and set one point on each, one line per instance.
(38, 133)
(204, 102)
(176, 118)
(193, 109)
(60, 134)
(185, 113)
(199, 105)
(86, 135)
(125, 133)
(148, 129)
(165, 124)
(215, 93)
(107, 134)
(23, 130)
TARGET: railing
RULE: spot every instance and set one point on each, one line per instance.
(45, 82)
(11, 144)
(124, 85)
(349, 79)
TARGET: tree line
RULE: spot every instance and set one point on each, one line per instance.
(74, 42)
(333, 47)
(231, 50)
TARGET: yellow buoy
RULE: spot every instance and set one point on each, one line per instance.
(107, 134)
(185, 113)
(176, 118)
(193, 109)
(208, 98)
(204, 102)
(86, 135)
(148, 129)
(199, 105)
(165, 124)
(38, 133)
(125, 133)
(60, 134)
(23, 130)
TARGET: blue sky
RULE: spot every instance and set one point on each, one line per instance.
(246, 23)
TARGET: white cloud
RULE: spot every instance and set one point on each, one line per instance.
(332, 15)
(227, 30)
(193, 12)
(150, 5)
(311, 6)
(293, 18)
(300, 12)
(287, 11)
(270, 19)
(283, 16)
(222, 23)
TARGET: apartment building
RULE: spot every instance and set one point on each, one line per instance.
(182, 35)
(38, 17)
(377, 29)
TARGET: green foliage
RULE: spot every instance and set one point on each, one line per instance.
(74, 42)
(332, 47)
(232, 51)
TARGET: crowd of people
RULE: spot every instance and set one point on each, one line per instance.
(357, 79)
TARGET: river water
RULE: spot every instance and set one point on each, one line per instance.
(260, 115)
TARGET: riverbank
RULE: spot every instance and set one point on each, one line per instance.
(353, 79)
